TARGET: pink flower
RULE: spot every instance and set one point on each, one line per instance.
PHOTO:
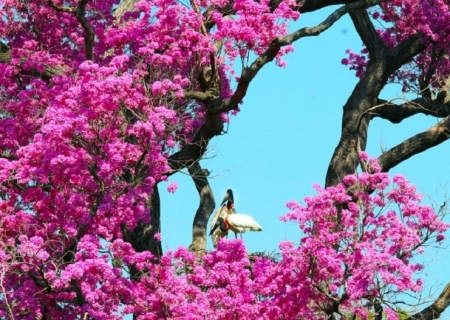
(363, 156)
(172, 187)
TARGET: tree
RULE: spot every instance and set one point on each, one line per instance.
(100, 102)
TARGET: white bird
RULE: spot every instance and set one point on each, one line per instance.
(226, 209)
(238, 223)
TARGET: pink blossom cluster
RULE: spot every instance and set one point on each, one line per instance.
(173, 186)
(357, 62)
(86, 129)
(84, 148)
(83, 141)
(354, 248)
(254, 28)
(398, 20)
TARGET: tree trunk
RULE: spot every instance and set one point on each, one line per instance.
(142, 238)
(205, 208)
(355, 121)
(355, 124)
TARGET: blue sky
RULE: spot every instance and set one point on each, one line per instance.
(283, 139)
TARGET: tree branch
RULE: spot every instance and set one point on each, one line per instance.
(416, 144)
(60, 8)
(79, 14)
(396, 113)
(405, 51)
(194, 150)
(124, 7)
(303, 6)
(364, 97)
(89, 32)
(49, 71)
(142, 238)
(314, 5)
(434, 311)
(205, 208)
(328, 22)
(199, 96)
(369, 36)
(249, 73)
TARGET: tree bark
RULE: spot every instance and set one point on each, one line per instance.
(355, 121)
(396, 113)
(415, 145)
(142, 238)
(205, 208)
(435, 310)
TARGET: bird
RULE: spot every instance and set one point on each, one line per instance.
(226, 209)
(238, 223)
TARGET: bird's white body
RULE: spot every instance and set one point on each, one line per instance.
(240, 223)
(226, 219)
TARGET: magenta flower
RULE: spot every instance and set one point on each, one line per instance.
(173, 186)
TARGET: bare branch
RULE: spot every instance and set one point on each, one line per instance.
(416, 144)
(435, 58)
(190, 152)
(434, 311)
(212, 127)
(395, 113)
(248, 75)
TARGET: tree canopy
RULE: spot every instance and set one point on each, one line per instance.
(101, 101)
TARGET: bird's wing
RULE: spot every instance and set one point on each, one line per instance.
(217, 234)
(243, 222)
(220, 213)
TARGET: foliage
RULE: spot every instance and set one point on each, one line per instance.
(399, 20)
(340, 266)
(92, 107)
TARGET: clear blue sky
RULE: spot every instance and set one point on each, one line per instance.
(283, 138)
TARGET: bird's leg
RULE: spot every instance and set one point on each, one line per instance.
(235, 235)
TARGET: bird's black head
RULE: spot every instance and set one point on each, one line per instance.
(229, 199)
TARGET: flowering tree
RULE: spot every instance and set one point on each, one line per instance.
(100, 101)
